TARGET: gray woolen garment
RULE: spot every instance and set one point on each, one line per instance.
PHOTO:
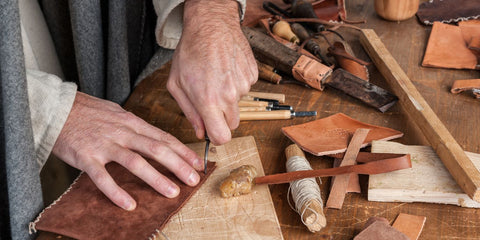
(103, 46)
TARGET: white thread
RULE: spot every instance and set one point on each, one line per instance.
(32, 225)
(303, 191)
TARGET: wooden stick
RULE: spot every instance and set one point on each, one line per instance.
(312, 210)
(340, 183)
(412, 102)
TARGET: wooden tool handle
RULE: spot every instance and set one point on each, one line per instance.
(452, 155)
(252, 103)
(294, 150)
(265, 72)
(268, 115)
(283, 30)
(274, 96)
(252, 109)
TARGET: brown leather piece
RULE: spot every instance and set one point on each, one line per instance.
(447, 48)
(311, 72)
(448, 11)
(398, 162)
(410, 225)
(329, 10)
(379, 230)
(374, 219)
(331, 135)
(464, 85)
(346, 60)
(84, 212)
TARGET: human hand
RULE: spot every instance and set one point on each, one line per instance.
(213, 66)
(98, 132)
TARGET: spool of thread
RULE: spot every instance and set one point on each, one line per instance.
(283, 30)
(305, 192)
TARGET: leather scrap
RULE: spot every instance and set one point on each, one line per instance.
(331, 135)
(380, 230)
(410, 225)
(464, 85)
(340, 183)
(394, 163)
(448, 11)
(84, 212)
(447, 47)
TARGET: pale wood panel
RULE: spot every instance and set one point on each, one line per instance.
(207, 215)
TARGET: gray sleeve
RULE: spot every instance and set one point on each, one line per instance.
(50, 100)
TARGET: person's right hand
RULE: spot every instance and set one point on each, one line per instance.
(98, 132)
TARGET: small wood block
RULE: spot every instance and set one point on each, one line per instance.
(340, 183)
(380, 230)
(427, 181)
(410, 225)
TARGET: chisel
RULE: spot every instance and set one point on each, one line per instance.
(274, 115)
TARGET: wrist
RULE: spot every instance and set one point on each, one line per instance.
(227, 11)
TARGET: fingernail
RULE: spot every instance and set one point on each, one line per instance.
(172, 191)
(130, 205)
(193, 178)
(198, 164)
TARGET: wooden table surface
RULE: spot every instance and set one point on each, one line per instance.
(406, 41)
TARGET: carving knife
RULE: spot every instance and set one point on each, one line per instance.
(205, 158)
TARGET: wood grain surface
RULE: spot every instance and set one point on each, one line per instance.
(406, 41)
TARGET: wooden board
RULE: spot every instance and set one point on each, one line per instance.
(427, 181)
(207, 215)
(420, 113)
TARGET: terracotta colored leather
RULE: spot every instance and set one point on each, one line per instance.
(374, 219)
(353, 181)
(448, 11)
(84, 212)
(331, 135)
(447, 48)
(327, 10)
(311, 72)
(346, 60)
(410, 225)
(340, 183)
(398, 162)
(379, 230)
(469, 84)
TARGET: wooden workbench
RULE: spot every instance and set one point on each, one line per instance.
(406, 41)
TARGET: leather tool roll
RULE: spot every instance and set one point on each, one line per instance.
(375, 163)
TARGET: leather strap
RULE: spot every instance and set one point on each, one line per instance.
(375, 163)
(345, 58)
(469, 84)
(311, 72)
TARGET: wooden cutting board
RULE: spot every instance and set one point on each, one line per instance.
(207, 215)
(427, 181)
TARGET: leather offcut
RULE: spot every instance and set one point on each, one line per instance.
(465, 85)
(331, 135)
(84, 212)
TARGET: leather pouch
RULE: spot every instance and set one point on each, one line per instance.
(447, 46)
(331, 135)
(448, 11)
(84, 212)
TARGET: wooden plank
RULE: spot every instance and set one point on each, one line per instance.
(427, 181)
(420, 113)
(207, 215)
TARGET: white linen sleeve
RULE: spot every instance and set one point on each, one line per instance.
(170, 21)
(50, 100)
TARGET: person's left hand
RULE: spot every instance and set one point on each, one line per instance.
(213, 66)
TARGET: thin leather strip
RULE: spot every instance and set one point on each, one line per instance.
(402, 161)
(83, 212)
(448, 11)
(469, 84)
(340, 183)
(311, 72)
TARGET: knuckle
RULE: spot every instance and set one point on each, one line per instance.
(157, 149)
(133, 162)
